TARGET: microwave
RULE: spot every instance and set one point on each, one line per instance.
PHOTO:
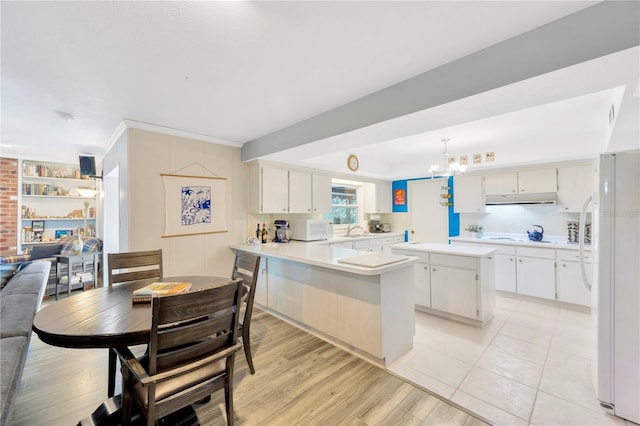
(310, 229)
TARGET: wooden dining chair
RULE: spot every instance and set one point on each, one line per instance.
(134, 266)
(246, 267)
(192, 346)
(126, 267)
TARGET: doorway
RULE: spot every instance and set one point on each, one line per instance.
(111, 244)
(428, 219)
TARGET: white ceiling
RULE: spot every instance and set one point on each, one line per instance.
(235, 71)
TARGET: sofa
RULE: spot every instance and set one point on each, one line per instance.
(11, 264)
(19, 301)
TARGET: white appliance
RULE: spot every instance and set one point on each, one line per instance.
(310, 229)
(615, 290)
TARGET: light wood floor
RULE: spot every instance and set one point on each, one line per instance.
(299, 380)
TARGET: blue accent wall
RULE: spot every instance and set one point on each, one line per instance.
(454, 218)
(395, 185)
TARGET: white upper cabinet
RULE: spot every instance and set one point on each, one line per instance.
(280, 190)
(500, 184)
(574, 186)
(300, 196)
(525, 182)
(468, 194)
(275, 190)
(537, 181)
(309, 193)
(321, 193)
(377, 198)
(268, 189)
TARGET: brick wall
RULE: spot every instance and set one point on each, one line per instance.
(8, 205)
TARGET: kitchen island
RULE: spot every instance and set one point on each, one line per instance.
(455, 282)
(368, 310)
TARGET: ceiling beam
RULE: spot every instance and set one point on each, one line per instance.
(602, 29)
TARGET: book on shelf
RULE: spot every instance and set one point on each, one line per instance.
(144, 294)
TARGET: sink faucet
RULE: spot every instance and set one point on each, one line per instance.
(349, 229)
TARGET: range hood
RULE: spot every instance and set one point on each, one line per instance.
(539, 198)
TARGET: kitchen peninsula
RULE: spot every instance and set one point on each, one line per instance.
(368, 310)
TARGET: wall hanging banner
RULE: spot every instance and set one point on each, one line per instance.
(193, 205)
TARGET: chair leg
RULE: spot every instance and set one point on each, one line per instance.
(228, 401)
(127, 400)
(246, 343)
(111, 386)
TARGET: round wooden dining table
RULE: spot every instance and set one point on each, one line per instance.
(105, 317)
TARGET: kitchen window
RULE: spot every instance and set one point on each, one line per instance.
(344, 205)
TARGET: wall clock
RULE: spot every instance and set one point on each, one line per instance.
(353, 163)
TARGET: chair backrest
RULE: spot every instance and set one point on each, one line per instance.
(246, 267)
(132, 266)
(190, 326)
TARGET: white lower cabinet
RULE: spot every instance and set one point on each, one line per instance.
(541, 272)
(453, 290)
(505, 272)
(453, 285)
(570, 286)
(422, 284)
(343, 244)
(387, 242)
(535, 272)
(372, 244)
(262, 293)
(505, 260)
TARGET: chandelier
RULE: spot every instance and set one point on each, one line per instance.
(446, 168)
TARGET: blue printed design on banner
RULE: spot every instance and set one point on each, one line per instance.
(196, 205)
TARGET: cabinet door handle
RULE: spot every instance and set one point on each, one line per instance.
(520, 260)
(434, 269)
(564, 266)
(511, 259)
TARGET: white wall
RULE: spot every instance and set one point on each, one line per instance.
(148, 155)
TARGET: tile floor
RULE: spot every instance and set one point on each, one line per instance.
(531, 364)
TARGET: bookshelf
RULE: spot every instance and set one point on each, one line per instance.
(50, 204)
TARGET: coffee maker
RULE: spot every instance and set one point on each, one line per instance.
(282, 231)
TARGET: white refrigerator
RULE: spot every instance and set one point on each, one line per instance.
(615, 286)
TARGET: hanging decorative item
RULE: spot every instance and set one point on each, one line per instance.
(445, 196)
(194, 205)
(449, 166)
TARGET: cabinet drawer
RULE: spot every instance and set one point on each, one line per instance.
(424, 257)
(454, 261)
(361, 245)
(501, 249)
(572, 256)
(375, 242)
(536, 252)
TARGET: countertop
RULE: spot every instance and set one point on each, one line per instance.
(321, 255)
(469, 251)
(552, 241)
